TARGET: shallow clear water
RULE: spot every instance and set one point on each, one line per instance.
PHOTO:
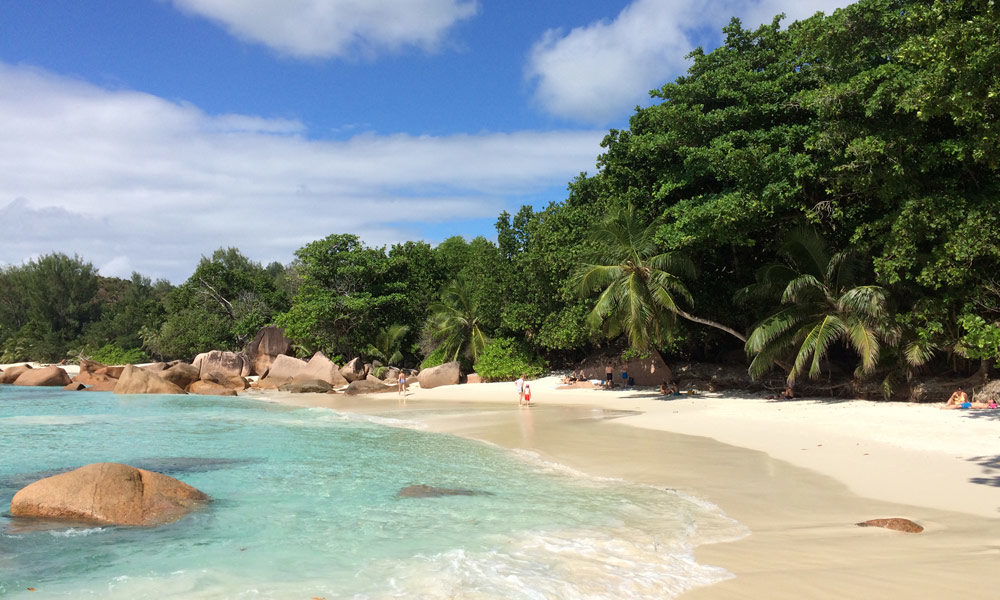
(305, 506)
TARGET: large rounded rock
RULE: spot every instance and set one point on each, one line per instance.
(307, 386)
(269, 343)
(210, 388)
(108, 494)
(182, 375)
(138, 381)
(446, 374)
(322, 368)
(45, 376)
(285, 367)
(97, 377)
(220, 361)
(369, 386)
(354, 370)
(12, 373)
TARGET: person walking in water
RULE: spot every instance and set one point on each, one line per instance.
(527, 394)
(519, 386)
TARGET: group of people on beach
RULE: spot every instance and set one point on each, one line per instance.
(523, 391)
(959, 399)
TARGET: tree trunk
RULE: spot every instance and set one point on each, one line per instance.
(728, 330)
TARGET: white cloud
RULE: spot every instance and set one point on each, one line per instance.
(603, 70)
(327, 28)
(130, 180)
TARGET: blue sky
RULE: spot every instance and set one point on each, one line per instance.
(143, 134)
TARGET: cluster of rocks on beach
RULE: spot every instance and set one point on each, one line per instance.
(265, 364)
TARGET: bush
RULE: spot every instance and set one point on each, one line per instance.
(380, 371)
(503, 359)
(112, 354)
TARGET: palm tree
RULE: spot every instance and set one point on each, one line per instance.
(639, 284)
(821, 304)
(455, 322)
(387, 342)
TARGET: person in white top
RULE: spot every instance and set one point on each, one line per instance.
(519, 386)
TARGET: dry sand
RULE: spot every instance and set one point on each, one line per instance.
(797, 473)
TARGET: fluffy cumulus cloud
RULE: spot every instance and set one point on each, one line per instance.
(133, 181)
(328, 28)
(601, 71)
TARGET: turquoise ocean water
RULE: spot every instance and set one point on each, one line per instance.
(305, 506)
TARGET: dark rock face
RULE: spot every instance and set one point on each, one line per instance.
(446, 374)
(45, 376)
(894, 523)
(308, 386)
(269, 343)
(108, 493)
(428, 491)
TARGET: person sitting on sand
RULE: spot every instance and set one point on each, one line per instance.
(958, 399)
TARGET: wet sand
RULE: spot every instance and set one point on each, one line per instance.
(798, 474)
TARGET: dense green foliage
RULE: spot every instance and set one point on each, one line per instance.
(504, 359)
(875, 127)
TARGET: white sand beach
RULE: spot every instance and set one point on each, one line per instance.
(797, 473)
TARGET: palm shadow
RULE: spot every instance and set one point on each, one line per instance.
(991, 470)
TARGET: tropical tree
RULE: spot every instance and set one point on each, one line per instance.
(640, 284)
(387, 344)
(456, 322)
(822, 304)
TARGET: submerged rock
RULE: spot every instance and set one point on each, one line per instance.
(894, 523)
(108, 494)
(429, 491)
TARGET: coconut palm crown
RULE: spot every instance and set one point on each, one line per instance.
(455, 322)
(821, 304)
(640, 285)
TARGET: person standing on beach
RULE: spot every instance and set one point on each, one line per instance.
(609, 375)
(527, 394)
(402, 384)
(519, 386)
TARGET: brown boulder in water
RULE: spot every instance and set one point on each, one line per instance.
(45, 376)
(210, 388)
(12, 373)
(138, 381)
(182, 375)
(108, 494)
(894, 523)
